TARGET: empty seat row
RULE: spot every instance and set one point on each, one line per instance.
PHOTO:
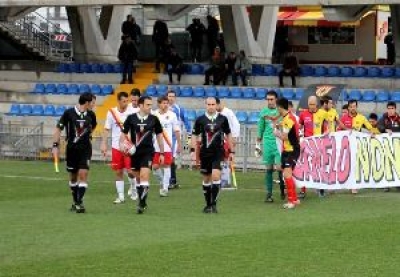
(331, 71)
(96, 89)
(36, 110)
(225, 92)
(370, 95)
(89, 68)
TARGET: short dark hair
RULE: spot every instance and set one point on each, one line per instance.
(352, 101)
(93, 96)
(162, 98)
(373, 116)
(85, 97)
(136, 92)
(272, 93)
(345, 107)
(122, 94)
(283, 103)
(217, 100)
(290, 104)
(391, 104)
(324, 100)
(143, 98)
(171, 91)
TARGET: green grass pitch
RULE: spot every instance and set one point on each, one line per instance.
(341, 235)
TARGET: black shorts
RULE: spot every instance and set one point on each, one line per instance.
(209, 162)
(141, 160)
(289, 159)
(77, 157)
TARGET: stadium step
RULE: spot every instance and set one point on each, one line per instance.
(143, 78)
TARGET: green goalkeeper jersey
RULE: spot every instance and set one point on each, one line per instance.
(266, 123)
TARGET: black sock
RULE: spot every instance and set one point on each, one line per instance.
(173, 174)
(80, 194)
(215, 191)
(207, 194)
(74, 192)
(144, 196)
(281, 183)
(139, 190)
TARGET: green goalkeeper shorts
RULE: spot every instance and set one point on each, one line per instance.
(271, 156)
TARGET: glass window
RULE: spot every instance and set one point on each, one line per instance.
(331, 35)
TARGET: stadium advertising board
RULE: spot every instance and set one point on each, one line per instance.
(349, 160)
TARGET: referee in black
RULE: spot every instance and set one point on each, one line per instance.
(211, 128)
(140, 127)
(78, 124)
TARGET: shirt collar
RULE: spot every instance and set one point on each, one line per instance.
(211, 117)
(142, 118)
(78, 112)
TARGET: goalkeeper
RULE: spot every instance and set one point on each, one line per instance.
(269, 117)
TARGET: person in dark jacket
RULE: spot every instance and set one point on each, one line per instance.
(159, 37)
(127, 54)
(212, 34)
(130, 28)
(174, 65)
(217, 69)
(290, 68)
(229, 66)
(196, 30)
(390, 49)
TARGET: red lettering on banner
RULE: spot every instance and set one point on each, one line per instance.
(332, 172)
(344, 161)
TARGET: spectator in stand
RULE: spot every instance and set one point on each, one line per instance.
(290, 68)
(212, 33)
(242, 69)
(390, 122)
(229, 67)
(166, 50)
(174, 65)
(127, 54)
(390, 49)
(159, 37)
(217, 69)
(196, 31)
(130, 28)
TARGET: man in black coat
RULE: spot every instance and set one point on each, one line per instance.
(130, 28)
(159, 37)
(127, 54)
(212, 34)
(174, 65)
(196, 30)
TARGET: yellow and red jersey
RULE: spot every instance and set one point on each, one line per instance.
(357, 122)
(291, 128)
(313, 122)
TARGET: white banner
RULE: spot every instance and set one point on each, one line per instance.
(349, 160)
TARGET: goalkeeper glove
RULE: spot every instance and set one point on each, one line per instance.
(258, 151)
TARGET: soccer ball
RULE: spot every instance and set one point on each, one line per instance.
(127, 147)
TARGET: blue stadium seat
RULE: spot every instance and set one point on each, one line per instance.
(299, 93)
(176, 89)
(373, 72)
(249, 93)
(306, 70)
(269, 70)
(198, 92)
(360, 71)
(346, 71)
(320, 71)
(186, 91)
(15, 109)
(60, 110)
(223, 92)
(62, 89)
(117, 68)
(106, 68)
(261, 93)
(196, 69)
(107, 90)
(26, 109)
(200, 112)
(162, 89)
(95, 89)
(211, 91)
(288, 93)
(354, 94)
(62, 68)
(74, 67)
(343, 95)
(395, 96)
(333, 71)
(39, 88)
(257, 70)
(382, 96)
(397, 72)
(83, 88)
(387, 72)
(191, 115)
(236, 92)
(95, 68)
(368, 95)
(49, 110)
(73, 89)
(37, 110)
(253, 117)
(85, 68)
(50, 89)
(241, 116)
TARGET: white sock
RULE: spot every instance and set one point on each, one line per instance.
(132, 182)
(166, 178)
(159, 174)
(120, 185)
